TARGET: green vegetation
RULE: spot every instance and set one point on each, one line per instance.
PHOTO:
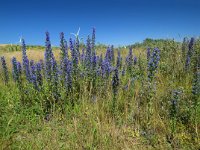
(146, 108)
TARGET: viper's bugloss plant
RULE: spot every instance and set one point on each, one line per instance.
(100, 60)
(115, 81)
(5, 70)
(32, 63)
(184, 47)
(129, 60)
(24, 55)
(77, 47)
(148, 54)
(93, 39)
(151, 70)
(88, 55)
(66, 49)
(55, 79)
(25, 61)
(63, 47)
(153, 63)
(105, 68)
(196, 96)
(39, 74)
(115, 86)
(48, 57)
(82, 56)
(19, 68)
(34, 76)
(108, 55)
(173, 111)
(15, 72)
(73, 53)
(135, 60)
(123, 71)
(69, 77)
(94, 72)
(119, 60)
(112, 54)
(189, 53)
(94, 61)
(63, 56)
(196, 84)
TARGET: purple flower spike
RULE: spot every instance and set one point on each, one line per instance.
(5, 69)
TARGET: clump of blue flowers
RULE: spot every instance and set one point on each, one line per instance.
(5, 70)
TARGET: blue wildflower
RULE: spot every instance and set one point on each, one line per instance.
(19, 68)
(174, 104)
(196, 84)
(73, 53)
(82, 57)
(55, 79)
(94, 61)
(129, 60)
(88, 55)
(77, 47)
(108, 55)
(100, 60)
(123, 71)
(62, 45)
(5, 69)
(115, 81)
(93, 39)
(38, 73)
(31, 63)
(135, 60)
(148, 53)
(112, 53)
(153, 63)
(105, 68)
(24, 55)
(69, 76)
(34, 76)
(15, 70)
(184, 46)
(119, 62)
(190, 52)
(48, 57)
(25, 61)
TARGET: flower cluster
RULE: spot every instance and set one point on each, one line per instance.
(153, 63)
(5, 69)
(115, 81)
(48, 57)
(15, 71)
(129, 60)
(70, 70)
(25, 61)
(189, 53)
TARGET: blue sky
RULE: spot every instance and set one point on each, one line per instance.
(117, 22)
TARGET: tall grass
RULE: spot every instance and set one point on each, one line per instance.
(101, 99)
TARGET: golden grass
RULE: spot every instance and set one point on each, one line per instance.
(3, 44)
(35, 55)
(38, 54)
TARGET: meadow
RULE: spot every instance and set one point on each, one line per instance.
(87, 96)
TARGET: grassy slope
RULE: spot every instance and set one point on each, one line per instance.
(90, 125)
